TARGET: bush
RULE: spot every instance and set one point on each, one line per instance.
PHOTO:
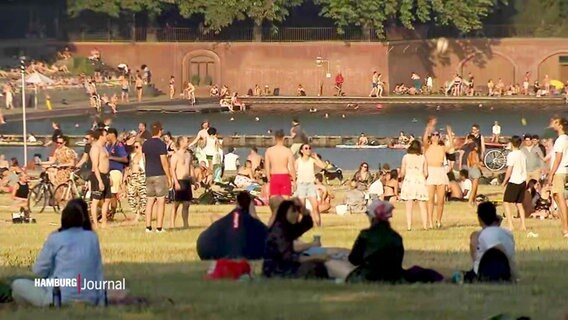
(195, 79)
(82, 65)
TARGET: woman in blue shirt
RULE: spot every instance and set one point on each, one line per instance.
(72, 252)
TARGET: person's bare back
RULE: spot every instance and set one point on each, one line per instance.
(255, 160)
(279, 160)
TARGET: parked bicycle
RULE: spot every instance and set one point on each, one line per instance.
(71, 189)
(42, 195)
(496, 159)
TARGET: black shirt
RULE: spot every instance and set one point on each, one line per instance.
(146, 135)
(300, 135)
(153, 148)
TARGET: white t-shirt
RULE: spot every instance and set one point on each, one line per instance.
(376, 188)
(518, 161)
(560, 145)
(496, 129)
(466, 186)
(305, 172)
(231, 162)
(495, 237)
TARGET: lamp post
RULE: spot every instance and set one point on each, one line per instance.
(319, 62)
(23, 69)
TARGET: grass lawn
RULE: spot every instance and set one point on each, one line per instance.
(165, 268)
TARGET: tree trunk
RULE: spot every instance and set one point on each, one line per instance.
(257, 32)
(152, 33)
(366, 31)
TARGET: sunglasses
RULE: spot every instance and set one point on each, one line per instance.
(307, 148)
(435, 135)
(59, 143)
(366, 167)
(136, 147)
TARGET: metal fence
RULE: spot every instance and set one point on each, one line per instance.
(306, 34)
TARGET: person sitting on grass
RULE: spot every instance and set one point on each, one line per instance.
(283, 257)
(492, 249)
(20, 195)
(377, 254)
(239, 234)
(73, 249)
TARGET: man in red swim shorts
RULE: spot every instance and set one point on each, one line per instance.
(279, 164)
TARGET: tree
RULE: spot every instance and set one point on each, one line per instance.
(219, 14)
(541, 18)
(114, 7)
(465, 15)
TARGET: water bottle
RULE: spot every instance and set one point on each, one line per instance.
(457, 277)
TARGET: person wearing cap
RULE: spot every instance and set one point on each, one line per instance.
(492, 249)
(377, 253)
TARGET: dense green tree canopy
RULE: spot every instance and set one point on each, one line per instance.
(465, 15)
(114, 7)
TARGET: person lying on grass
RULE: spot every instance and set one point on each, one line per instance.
(68, 252)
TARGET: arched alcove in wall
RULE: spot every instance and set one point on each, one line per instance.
(499, 66)
(555, 65)
(201, 67)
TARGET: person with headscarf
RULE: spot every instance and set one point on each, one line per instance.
(377, 253)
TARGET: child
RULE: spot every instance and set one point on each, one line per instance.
(543, 204)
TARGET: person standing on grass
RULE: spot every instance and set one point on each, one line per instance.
(280, 168)
(100, 177)
(515, 182)
(437, 181)
(535, 159)
(559, 169)
(158, 180)
(306, 179)
(474, 170)
(182, 174)
(118, 158)
(413, 171)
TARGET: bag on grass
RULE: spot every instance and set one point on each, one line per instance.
(5, 293)
(228, 269)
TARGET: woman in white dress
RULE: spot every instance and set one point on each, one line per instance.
(414, 171)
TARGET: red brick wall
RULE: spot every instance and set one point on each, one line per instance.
(285, 65)
(242, 65)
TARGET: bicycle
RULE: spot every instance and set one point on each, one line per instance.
(70, 190)
(42, 195)
(496, 159)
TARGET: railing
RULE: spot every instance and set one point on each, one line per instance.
(311, 34)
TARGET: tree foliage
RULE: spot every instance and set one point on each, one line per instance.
(465, 15)
(222, 13)
(541, 18)
(114, 7)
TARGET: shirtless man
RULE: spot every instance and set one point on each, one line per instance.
(435, 152)
(280, 168)
(182, 174)
(202, 135)
(100, 178)
(254, 158)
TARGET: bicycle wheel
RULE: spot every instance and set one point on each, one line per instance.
(62, 194)
(50, 199)
(35, 198)
(495, 160)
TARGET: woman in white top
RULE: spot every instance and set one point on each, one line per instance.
(413, 171)
(211, 148)
(306, 177)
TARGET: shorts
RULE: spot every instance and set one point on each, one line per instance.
(558, 183)
(474, 173)
(156, 187)
(536, 174)
(305, 190)
(184, 194)
(515, 193)
(375, 85)
(116, 181)
(437, 176)
(280, 185)
(451, 156)
(138, 88)
(96, 193)
(125, 90)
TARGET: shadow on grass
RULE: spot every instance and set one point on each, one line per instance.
(178, 290)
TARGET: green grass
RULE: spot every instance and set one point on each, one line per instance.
(165, 269)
